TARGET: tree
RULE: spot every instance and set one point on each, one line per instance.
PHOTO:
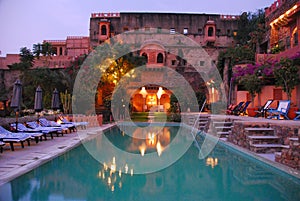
(286, 75)
(231, 57)
(47, 79)
(26, 60)
(251, 29)
(249, 76)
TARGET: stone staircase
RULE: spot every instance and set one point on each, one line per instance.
(220, 128)
(202, 123)
(263, 140)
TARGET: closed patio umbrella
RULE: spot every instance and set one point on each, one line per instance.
(55, 104)
(16, 99)
(38, 100)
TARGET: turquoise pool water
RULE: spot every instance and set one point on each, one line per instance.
(224, 175)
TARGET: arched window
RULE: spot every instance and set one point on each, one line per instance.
(145, 55)
(103, 30)
(210, 31)
(160, 58)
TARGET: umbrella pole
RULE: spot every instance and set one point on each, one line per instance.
(17, 115)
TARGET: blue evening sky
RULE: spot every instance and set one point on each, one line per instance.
(26, 22)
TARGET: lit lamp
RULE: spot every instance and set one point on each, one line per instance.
(144, 94)
(159, 93)
(211, 84)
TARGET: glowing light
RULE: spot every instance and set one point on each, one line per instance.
(142, 149)
(211, 162)
(59, 121)
(151, 138)
(295, 7)
(120, 172)
(105, 166)
(108, 180)
(131, 172)
(159, 148)
(143, 92)
(126, 168)
(159, 92)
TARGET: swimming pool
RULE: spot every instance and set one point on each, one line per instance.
(223, 175)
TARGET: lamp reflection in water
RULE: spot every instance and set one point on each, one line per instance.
(152, 142)
(110, 176)
(210, 161)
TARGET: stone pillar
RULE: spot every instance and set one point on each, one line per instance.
(57, 51)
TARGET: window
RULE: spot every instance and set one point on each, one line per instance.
(103, 30)
(173, 62)
(185, 31)
(158, 29)
(200, 31)
(145, 55)
(172, 31)
(228, 32)
(125, 29)
(202, 63)
(296, 39)
(210, 31)
(147, 28)
(218, 32)
(160, 58)
(235, 33)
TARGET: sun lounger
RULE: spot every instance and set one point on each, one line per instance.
(52, 124)
(75, 124)
(23, 128)
(2, 144)
(235, 108)
(35, 135)
(243, 109)
(298, 116)
(281, 110)
(49, 130)
(264, 109)
(11, 138)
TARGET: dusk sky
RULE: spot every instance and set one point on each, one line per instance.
(27, 22)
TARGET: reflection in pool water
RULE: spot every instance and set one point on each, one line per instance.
(223, 175)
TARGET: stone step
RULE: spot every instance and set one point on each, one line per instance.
(258, 129)
(222, 123)
(294, 139)
(223, 127)
(263, 137)
(270, 146)
(221, 133)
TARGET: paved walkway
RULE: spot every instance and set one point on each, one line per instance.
(22, 160)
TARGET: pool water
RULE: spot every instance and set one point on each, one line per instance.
(223, 175)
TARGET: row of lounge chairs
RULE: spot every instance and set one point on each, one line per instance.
(280, 112)
(239, 109)
(21, 133)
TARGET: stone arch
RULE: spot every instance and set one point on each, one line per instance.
(103, 30)
(160, 58)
